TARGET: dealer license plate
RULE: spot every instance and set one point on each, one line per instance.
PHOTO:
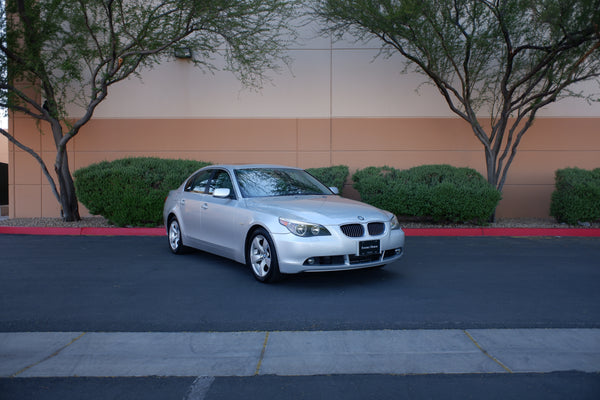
(368, 247)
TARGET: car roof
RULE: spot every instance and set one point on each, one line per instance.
(249, 166)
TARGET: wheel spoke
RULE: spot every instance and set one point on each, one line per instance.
(258, 241)
(266, 264)
(256, 257)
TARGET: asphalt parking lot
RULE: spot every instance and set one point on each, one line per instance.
(526, 309)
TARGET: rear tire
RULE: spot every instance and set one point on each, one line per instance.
(261, 257)
(174, 235)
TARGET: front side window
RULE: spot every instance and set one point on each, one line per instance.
(269, 182)
(220, 180)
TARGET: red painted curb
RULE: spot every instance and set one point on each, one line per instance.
(578, 232)
(124, 231)
(19, 230)
(582, 232)
(443, 231)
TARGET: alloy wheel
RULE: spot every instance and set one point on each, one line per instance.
(260, 256)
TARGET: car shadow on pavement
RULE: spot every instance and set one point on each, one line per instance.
(358, 277)
(334, 279)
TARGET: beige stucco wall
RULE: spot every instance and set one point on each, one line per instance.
(334, 104)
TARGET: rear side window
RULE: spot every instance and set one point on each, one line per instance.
(197, 183)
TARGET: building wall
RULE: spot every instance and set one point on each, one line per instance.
(3, 170)
(3, 150)
(335, 104)
(357, 142)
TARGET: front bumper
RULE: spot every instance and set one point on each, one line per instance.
(336, 252)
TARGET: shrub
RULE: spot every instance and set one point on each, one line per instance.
(334, 176)
(131, 191)
(577, 196)
(439, 192)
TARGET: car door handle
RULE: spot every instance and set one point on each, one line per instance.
(204, 206)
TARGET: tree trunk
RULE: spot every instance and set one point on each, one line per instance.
(68, 198)
(490, 161)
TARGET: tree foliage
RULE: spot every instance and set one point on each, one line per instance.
(502, 58)
(57, 53)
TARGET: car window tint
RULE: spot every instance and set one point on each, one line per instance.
(267, 182)
(220, 180)
(198, 182)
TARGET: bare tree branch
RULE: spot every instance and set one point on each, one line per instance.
(58, 46)
(508, 58)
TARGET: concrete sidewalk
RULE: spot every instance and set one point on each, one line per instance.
(453, 351)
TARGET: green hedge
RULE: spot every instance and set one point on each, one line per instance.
(131, 191)
(334, 176)
(439, 192)
(577, 196)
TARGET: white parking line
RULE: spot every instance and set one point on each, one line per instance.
(199, 388)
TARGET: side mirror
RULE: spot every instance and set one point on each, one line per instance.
(334, 190)
(222, 193)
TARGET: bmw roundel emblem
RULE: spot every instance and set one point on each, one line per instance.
(361, 218)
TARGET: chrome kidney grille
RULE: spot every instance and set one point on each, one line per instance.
(358, 230)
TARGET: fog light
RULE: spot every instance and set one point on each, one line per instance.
(310, 261)
(399, 251)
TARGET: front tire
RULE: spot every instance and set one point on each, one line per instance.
(261, 257)
(174, 236)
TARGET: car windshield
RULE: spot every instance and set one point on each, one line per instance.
(269, 182)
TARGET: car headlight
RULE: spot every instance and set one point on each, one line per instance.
(304, 229)
(394, 224)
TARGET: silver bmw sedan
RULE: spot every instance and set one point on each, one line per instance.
(278, 220)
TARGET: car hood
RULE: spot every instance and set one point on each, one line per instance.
(324, 210)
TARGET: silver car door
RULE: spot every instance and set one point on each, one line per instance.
(191, 206)
(220, 218)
